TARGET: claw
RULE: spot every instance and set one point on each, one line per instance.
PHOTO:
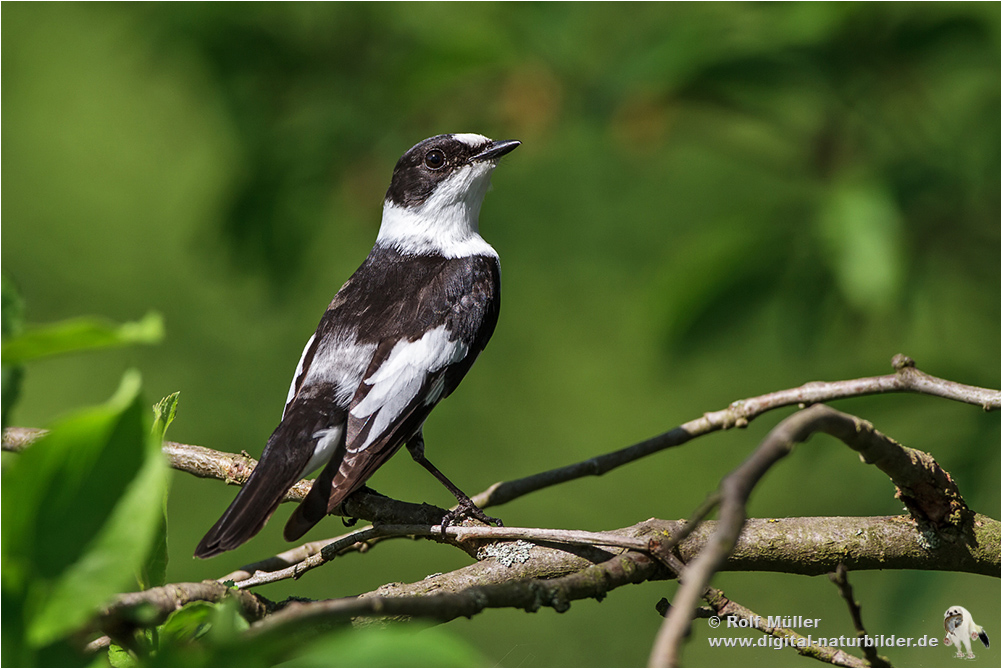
(468, 510)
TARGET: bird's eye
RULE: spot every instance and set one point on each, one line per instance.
(434, 159)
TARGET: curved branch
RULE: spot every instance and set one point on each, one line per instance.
(807, 546)
(555, 576)
(937, 503)
(137, 610)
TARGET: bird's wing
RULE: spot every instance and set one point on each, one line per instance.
(406, 378)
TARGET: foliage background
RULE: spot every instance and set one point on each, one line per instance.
(711, 201)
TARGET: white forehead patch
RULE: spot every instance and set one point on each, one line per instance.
(471, 139)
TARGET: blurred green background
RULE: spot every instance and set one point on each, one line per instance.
(712, 201)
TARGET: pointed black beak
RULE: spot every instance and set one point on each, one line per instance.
(495, 150)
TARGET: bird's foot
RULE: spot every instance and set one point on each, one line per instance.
(468, 509)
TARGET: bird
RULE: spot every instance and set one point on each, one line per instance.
(961, 630)
(397, 338)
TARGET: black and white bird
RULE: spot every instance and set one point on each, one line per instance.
(397, 338)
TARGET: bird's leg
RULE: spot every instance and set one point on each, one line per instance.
(466, 505)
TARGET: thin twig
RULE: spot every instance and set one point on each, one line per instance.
(907, 378)
(840, 577)
(457, 535)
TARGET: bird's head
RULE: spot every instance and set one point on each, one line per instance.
(433, 202)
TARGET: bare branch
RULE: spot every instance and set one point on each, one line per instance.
(840, 577)
(591, 581)
(554, 575)
(907, 378)
(789, 545)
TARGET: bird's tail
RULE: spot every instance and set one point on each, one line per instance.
(254, 504)
(313, 509)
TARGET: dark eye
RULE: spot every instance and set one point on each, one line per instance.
(434, 159)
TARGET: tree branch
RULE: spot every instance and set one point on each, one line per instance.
(907, 378)
(926, 489)
(470, 539)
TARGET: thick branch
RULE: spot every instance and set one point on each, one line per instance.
(808, 546)
(551, 575)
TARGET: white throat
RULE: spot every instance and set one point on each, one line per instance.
(447, 223)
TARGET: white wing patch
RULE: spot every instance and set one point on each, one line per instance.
(299, 370)
(399, 379)
(340, 362)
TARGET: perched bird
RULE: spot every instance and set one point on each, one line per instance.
(961, 630)
(397, 338)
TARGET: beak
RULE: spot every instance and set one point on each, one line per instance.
(495, 150)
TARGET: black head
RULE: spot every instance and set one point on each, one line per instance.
(431, 162)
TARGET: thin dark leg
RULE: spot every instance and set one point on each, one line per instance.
(466, 506)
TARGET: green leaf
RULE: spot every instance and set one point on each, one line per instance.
(12, 311)
(163, 414)
(120, 658)
(154, 572)
(81, 510)
(80, 334)
(226, 623)
(187, 623)
(409, 645)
